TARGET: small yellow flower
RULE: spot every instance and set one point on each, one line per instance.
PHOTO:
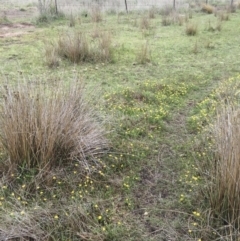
(103, 228)
(56, 217)
(99, 217)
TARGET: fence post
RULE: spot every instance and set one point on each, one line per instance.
(126, 6)
(174, 4)
(56, 7)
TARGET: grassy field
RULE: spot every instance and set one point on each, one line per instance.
(156, 80)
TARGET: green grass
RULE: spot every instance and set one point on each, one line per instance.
(149, 184)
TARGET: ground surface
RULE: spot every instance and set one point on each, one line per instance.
(149, 187)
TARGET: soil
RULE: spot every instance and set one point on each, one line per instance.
(16, 22)
(15, 29)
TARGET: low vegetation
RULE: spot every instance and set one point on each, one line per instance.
(145, 149)
(76, 47)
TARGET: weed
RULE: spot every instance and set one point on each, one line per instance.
(4, 19)
(218, 26)
(72, 21)
(223, 16)
(196, 48)
(167, 10)
(232, 8)
(144, 23)
(190, 14)
(181, 19)
(209, 45)
(152, 12)
(238, 4)
(48, 12)
(191, 29)
(212, 28)
(143, 55)
(166, 20)
(45, 127)
(51, 55)
(96, 33)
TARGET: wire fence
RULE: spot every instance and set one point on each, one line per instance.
(74, 6)
(132, 5)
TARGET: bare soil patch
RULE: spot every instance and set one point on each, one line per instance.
(15, 29)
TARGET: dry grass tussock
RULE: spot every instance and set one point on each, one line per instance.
(191, 29)
(224, 194)
(207, 8)
(45, 127)
(77, 47)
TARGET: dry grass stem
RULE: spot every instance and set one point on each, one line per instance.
(45, 127)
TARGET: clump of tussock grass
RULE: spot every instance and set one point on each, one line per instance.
(207, 8)
(219, 163)
(45, 127)
(76, 47)
(191, 29)
(96, 14)
(225, 169)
